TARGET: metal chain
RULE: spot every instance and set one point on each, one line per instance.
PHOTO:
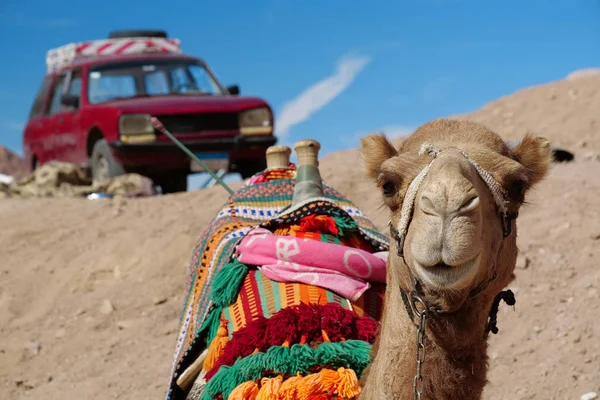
(421, 315)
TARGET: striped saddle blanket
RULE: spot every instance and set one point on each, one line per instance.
(271, 338)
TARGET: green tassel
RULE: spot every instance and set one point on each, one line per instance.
(227, 283)
(211, 324)
(282, 360)
(344, 223)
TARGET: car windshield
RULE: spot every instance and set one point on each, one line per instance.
(150, 78)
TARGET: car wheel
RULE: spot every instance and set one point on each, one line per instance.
(173, 183)
(102, 162)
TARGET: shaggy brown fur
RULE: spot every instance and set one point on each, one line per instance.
(456, 361)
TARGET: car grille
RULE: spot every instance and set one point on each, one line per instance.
(186, 123)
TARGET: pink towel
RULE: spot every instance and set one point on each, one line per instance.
(342, 269)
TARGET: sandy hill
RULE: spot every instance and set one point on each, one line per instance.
(10, 163)
(91, 291)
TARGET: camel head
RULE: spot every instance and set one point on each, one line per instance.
(454, 189)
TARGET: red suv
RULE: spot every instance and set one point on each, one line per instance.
(95, 104)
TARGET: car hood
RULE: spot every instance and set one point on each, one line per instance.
(161, 105)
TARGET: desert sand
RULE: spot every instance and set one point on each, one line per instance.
(91, 291)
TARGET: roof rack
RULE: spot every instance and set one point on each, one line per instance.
(64, 55)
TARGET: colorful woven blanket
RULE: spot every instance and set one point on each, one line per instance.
(273, 338)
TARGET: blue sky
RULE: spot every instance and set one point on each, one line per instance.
(333, 70)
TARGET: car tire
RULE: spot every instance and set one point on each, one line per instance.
(137, 33)
(173, 183)
(102, 163)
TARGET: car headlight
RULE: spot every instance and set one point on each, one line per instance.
(136, 128)
(256, 121)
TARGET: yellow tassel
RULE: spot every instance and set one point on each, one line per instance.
(289, 388)
(325, 336)
(215, 350)
(269, 388)
(348, 386)
(245, 391)
(286, 343)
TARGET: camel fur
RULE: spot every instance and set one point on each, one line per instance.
(454, 243)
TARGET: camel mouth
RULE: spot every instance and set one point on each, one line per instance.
(445, 276)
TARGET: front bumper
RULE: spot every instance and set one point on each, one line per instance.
(166, 155)
(230, 144)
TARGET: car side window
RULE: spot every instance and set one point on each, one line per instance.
(57, 91)
(75, 86)
(38, 104)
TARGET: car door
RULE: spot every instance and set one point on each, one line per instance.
(67, 128)
(50, 126)
(33, 149)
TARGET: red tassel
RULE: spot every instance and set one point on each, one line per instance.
(318, 224)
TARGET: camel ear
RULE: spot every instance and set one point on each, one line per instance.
(376, 149)
(535, 154)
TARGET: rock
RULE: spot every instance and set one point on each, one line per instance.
(117, 274)
(34, 347)
(589, 396)
(595, 236)
(107, 307)
(537, 329)
(573, 94)
(582, 144)
(159, 300)
(23, 384)
(591, 156)
(523, 261)
(124, 324)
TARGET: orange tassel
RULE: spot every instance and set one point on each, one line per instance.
(329, 379)
(289, 388)
(269, 388)
(308, 386)
(245, 391)
(286, 343)
(256, 350)
(325, 336)
(215, 350)
(303, 338)
(348, 386)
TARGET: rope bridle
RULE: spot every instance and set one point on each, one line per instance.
(413, 303)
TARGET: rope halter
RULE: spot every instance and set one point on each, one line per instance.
(399, 233)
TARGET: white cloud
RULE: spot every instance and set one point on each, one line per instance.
(15, 126)
(320, 94)
(11, 125)
(390, 131)
(437, 89)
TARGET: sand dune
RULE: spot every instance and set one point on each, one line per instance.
(91, 291)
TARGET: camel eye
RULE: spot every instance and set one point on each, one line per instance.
(389, 189)
(516, 190)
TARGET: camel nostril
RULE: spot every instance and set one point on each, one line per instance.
(470, 205)
(427, 205)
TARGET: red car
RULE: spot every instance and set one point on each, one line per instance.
(95, 104)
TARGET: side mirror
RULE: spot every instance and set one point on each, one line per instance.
(70, 101)
(233, 90)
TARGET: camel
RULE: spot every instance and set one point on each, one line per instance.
(453, 189)
(453, 235)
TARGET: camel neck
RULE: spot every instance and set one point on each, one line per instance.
(455, 364)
